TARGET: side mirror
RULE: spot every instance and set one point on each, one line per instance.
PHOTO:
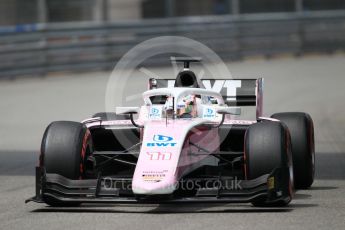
(130, 111)
(229, 110)
(127, 110)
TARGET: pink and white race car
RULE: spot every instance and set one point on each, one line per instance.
(185, 144)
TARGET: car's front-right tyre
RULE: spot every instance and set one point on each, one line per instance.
(268, 147)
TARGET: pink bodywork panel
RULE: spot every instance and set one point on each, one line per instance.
(165, 154)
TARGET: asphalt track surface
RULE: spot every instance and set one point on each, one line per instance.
(311, 84)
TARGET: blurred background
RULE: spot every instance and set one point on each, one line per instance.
(83, 35)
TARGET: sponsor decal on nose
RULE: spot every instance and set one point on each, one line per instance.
(161, 141)
(161, 138)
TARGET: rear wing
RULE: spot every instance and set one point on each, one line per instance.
(235, 92)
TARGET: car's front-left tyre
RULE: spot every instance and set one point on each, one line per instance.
(64, 151)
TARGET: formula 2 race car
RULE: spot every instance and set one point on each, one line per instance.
(185, 144)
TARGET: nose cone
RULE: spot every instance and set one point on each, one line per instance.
(151, 184)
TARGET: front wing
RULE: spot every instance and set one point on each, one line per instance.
(270, 187)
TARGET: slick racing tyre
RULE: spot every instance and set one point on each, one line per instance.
(64, 151)
(267, 147)
(301, 129)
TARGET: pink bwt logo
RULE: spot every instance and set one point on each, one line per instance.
(157, 156)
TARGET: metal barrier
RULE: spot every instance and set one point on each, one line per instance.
(43, 48)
